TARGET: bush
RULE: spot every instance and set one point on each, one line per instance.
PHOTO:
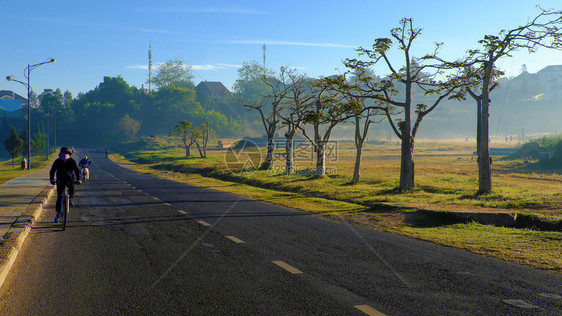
(556, 157)
(146, 144)
(527, 151)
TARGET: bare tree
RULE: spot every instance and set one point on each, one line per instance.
(396, 91)
(544, 30)
(362, 122)
(267, 107)
(293, 110)
(186, 133)
(363, 116)
(324, 112)
(201, 138)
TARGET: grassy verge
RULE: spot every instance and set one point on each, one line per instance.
(7, 171)
(524, 246)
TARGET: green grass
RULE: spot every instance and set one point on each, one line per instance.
(524, 246)
(7, 171)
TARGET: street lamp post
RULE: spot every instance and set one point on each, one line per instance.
(48, 130)
(27, 74)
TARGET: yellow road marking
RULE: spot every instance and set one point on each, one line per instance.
(236, 240)
(168, 204)
(203, 223)
(287, 267)
(182, 212)
(368, 310)
(155, 198)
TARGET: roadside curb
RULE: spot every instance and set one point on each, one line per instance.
(20, 229)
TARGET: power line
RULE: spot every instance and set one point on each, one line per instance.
(178, 54)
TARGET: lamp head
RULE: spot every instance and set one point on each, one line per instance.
(52, 60)
(9, 78)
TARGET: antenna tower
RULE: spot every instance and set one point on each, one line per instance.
(149, 66)
(264, 48)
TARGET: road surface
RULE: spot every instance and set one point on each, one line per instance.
(137, 244)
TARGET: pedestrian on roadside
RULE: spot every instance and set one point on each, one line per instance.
(67, 173)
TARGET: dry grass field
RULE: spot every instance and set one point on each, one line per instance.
(446, 178)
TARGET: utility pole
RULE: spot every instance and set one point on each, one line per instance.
(506, 131)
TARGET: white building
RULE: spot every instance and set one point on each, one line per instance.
(551, 82)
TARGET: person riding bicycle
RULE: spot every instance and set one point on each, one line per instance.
(84, 165)
(67, 173)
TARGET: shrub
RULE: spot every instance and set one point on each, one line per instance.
(528, 150)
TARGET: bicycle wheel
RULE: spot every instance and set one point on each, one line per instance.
(65, 208)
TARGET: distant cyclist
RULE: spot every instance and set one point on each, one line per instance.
(84, 165)
(67, 173)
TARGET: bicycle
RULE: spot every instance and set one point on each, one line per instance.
(85, 174)
(65, 203)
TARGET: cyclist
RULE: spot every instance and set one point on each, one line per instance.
(84, 165)
(67, 173)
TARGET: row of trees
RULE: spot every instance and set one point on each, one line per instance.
(189, 135)
(114, 111)
(403, 98)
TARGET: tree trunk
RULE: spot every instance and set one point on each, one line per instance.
(355, 178)
(187, 149)
(270, 148)
(359, 141)
(320, 158)
(484, 159)
(199, 149)
(407, 162)
(289, 153)
(478, 126)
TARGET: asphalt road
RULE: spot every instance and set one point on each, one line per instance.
(142, 245)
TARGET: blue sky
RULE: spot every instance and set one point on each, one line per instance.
(94, 39)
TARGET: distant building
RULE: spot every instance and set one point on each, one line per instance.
(211, 88)
(12, 107)
(551, 81)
